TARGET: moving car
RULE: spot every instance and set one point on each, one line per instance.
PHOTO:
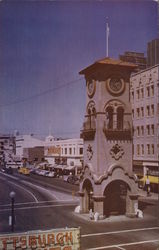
(24, 170)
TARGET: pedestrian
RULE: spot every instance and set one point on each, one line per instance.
(147, 186)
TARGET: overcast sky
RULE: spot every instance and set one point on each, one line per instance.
(44, 45)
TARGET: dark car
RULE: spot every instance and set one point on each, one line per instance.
(7, 170)
(73, 179)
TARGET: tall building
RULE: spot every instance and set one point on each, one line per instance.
(144, 93)
(134, 57)
(153, 53)
(108, 185)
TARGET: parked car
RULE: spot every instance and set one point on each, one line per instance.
(7, 170)
(73, 179)
(50, 174)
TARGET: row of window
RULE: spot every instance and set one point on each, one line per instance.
(150, 130)
(149, 109)
(142, 149)
(149, 92)
(71, 151)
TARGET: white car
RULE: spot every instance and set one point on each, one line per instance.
(50, 174)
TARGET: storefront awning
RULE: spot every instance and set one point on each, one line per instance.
(153, 179)
(70, 168)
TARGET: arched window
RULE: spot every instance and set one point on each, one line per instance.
(109, 117)
(120, 118)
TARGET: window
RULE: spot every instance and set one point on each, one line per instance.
(142, 93)
(152, 90)
(132, 95)
(120, 118)
(70, 151)
(148, 110)
(138, 149)
(148, 91)
(152, 109)
(74, 149)
(148, 129)
(148, 149)
(133, 113)
(138, 130)
(142, 149)
(81, 151)
(152, 148)
(142, 111)
(109, 117)
(138, 112)
(133, 149)
(65, 151)
(152, 129)
(138, 94)
(142, 130)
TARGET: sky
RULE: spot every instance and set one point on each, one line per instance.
(43, 47)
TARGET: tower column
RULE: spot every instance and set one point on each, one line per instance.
(115, 118)
(131, 205)
(99, 205)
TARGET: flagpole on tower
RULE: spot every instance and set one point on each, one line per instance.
(107, 38)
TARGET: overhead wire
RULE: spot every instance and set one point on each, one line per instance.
(41, 94)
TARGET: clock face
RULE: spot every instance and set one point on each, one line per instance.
(115, 85)
(91, 87)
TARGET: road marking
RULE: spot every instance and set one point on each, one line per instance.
(121, 231)
(35, 207)
(10, 176)
(39, 202)
(124, 244)
(26, 190)
(55, 194)
(39, 187)
(121, 248)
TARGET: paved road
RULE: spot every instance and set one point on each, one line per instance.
(41, 205)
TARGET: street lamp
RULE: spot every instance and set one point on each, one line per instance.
(12, 196)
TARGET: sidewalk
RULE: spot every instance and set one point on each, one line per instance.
(151, 196)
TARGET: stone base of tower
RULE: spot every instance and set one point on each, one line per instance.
(115, 193)
(99, 205)
(131, 205)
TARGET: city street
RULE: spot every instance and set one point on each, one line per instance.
(43, 203)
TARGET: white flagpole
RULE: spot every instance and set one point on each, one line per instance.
(107, 38)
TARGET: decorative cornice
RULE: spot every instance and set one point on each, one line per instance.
(99, 179)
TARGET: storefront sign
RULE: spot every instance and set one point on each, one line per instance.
(54, 150)
(55, 239)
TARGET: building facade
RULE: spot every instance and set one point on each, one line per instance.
(108, 185)
(55, 151)
(24, 144)
(64, 151)
(144, 94)
(7, 150)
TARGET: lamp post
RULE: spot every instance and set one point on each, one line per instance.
(12, 196)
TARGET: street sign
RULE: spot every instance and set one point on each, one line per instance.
(54, 239)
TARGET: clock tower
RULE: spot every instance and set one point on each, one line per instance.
(108, 185)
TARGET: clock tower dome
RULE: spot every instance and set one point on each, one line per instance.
(108, 185)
